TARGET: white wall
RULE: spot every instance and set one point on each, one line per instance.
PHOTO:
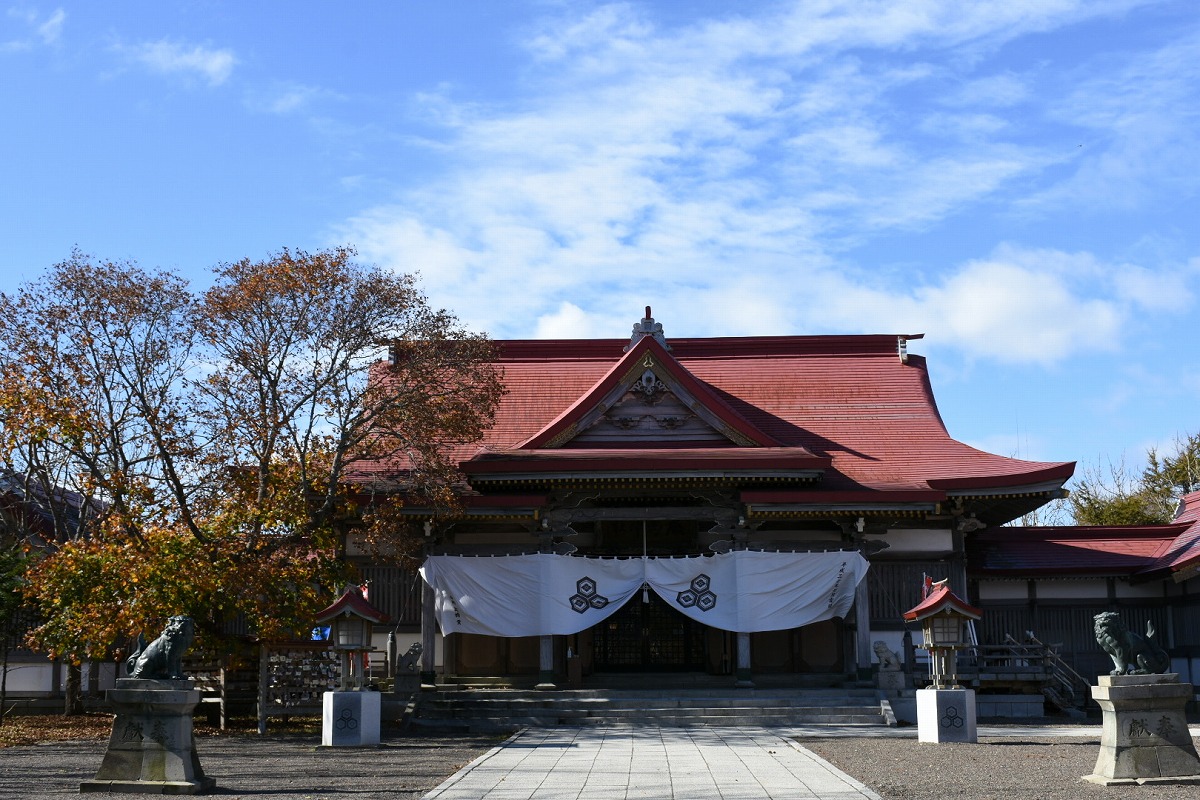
(1081, 589)
(933, 541)
(1003, 590)
(1152, 590)
(36, 678)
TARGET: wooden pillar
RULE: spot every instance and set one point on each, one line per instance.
(546, 663)
(743, 661)
(223, 683)
(428, 636)
(862, 620)
(264, 677)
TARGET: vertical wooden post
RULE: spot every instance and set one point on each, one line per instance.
(743, 661)
(263, 678)
(546, 663)
(428, 634)
(862, 620)
(223, 685)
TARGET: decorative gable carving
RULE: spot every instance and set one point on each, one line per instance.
(649, 408)
(648, 399)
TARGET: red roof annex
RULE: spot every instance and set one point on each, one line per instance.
(1134, 551)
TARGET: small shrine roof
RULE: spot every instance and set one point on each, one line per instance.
(353, 602)
(939, 600)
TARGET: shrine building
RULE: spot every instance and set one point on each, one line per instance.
(727, 506)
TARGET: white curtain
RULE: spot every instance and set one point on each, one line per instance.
(543, 593)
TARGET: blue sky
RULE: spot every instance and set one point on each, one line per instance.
(1017, 180)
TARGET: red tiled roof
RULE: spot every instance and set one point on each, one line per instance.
(1069, 550)
(940, 599)
(845, 397)
(1184, 551)
(648, 346)
(848, 399)
(606, 459)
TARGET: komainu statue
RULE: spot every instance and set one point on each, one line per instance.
(408, 661)
(1131, 654)
(162, 659)
(889, 661)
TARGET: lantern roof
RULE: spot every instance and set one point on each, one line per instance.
(940, 600)
(352, 603)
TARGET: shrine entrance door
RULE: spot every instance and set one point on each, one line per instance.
(648, 637)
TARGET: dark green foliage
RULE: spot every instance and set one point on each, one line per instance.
(1116, 498)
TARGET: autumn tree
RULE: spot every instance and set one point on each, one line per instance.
(217, 433)
(12, 575)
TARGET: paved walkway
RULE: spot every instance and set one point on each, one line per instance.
(683, 763)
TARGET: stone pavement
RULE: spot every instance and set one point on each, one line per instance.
(682, 763)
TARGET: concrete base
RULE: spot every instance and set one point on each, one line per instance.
(946, 715)
(151, 749)
(350, 719)
(1145, 736)
(889, 680)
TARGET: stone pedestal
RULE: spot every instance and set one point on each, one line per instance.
(151, 749)
(889, 680)
(406, 683)
(1145, 738)
(946, 715)
(350, 719)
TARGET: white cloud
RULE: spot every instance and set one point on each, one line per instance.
(1165, 291)
(1014, 312)
(1138, 126)
(720, 171)
(286, 99)
(569, 321)
(167, 57)
(40, 31)
(51, 29)
(993, 91)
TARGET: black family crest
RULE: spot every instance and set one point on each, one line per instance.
(587, 595)
(698, 594)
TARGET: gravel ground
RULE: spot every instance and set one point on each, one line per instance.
(1000, 768)
(261, 766)
(290, 766)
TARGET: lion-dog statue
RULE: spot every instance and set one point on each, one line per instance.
(1131, 654)
(408, 661)
(889, 661)
(162, 659)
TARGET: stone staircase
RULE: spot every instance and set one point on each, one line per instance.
(496, 709)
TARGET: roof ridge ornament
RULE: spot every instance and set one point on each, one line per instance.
(647, 327)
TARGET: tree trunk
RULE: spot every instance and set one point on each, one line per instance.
(73, 691)
(4, 643)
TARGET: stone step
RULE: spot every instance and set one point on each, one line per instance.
(636, 702)
(649, 710)
(624, 707)
(475, 723)
(682, 694)
(499, 709)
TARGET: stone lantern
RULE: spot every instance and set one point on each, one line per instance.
(350, 716)
(945, 712)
